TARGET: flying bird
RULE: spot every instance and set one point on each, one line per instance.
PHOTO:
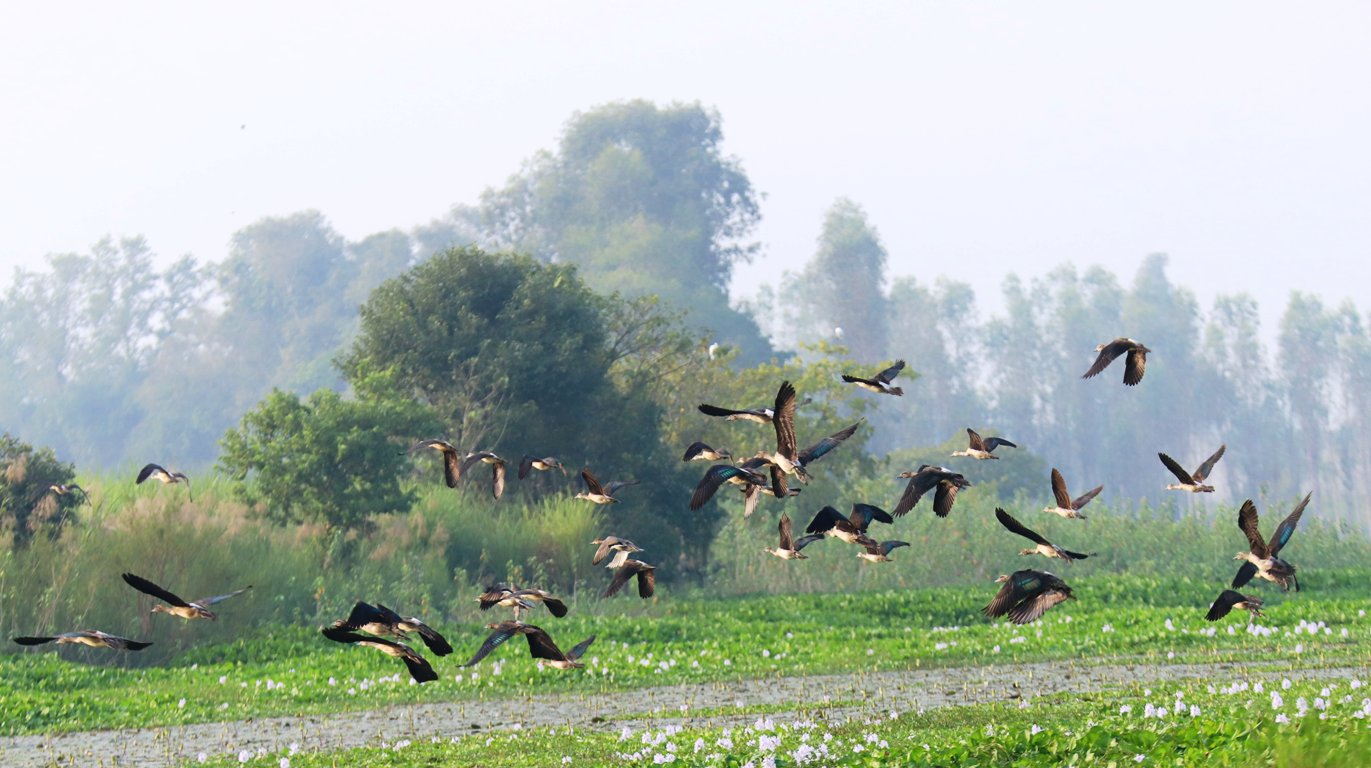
(982, 448)
(1261, 559)
(418, 666)
(198, 609)
(540, 645)
(621, 548)
(520, 600)
(1228, 600)
(1027, 595)
(647, 579)
(789, 547)
(380, 620)
(452, 461)
(544, 464)
(925, 479)
(880, 384)
(92, 637)
(161, 475)
(63, 489)
(1066, 506)
(879, 552)
(1133, 364)
(719, 474)
(852, 529)
(759, 415)
(601, 494)
(497, 467)
(698, 451)
(1041, 546)
(1192, 481)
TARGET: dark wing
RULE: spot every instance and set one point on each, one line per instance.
(435, 642)
(696, 448)
(780, 486)
(1059, 490)
(817, 450)
(540, 645)
(470, 461)
(578, 650)
(498, 481)
(525, 464)
(342, 634)
(1133, 366)
(1223, 605)
(991, 443)
(864, 514)
(419, 668)
(621, 577)
(825, 520)
(1176, 469)
(592, 485)
(714, 477)
(1287, 527)
(602, 551)
(714, 410)
(1032, 609)
(493, 595)
(805, 541)
(362, 615)
(147, 471)
(1073, 555)
(787, 538)
(751, 495)
(946, 495)
(784, 421)
(1245, 573)
(148, 588)
(555, 607)
(33, 640)
(647, 582)
(452, 468)
(889, 374)
(1008, 521)
(1208, 465)
(1247, 523)
(388, 617)
(502, 632)
(913, 491)
(1107, 354)
(208, 601)
(1084, 498)
(888, 546)
(977, 444)
(850, 379)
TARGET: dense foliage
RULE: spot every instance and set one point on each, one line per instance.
(28, 506)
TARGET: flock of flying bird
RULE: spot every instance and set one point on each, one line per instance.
(1024, 597)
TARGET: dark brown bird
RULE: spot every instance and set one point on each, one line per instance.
(1228, 600)
(1027, 595)
(545, 464)
(880, 384)
(1192, 481)
(540, 645)
(418, 666)
(1133, 364)
(162, 475)
(925, 479)
(497, 466)
(1066, 506)
(380, 620)
(698, 451)
(719, 474)
(647, 578)
(1041, 546)
(601, 494)
(1262, 557)
(982, 448)
(92, 637)
(452, 460)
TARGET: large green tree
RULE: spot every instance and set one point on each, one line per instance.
(644, 200)
(27, 505)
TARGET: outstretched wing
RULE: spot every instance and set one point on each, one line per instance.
(148, 471)
(498, 481)
(1084, 498)
(1107, 354)
(1133, 367)
(1208, 465)
(148, 588)
(613, 486)
(783, 420)
(540, 645)
(1008, 521)
(787, 538)
(592, 485)
(889, 374)
(816, 451)
(578, 650)
(1248, 524)
(1176, 469)
(435, 642)
(991, 443)
(647, 582)
(419, 668)
(1245, 573)
(1223, 604)
(1059, 490)
(714, 410)
(502, 632)
(825, 520)
(946, 495)
(976, 443)
(1287, 527)
(208, 601)
(525, 464)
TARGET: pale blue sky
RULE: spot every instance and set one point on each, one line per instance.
(980, 137)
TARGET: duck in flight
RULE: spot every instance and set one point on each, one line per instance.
(789, 547)
(1192, 481)
(879, 552)
(1261, 558)
(1027, 595)
(719, 474)
(647, 578)
(545, 464)
(1041, 546)
(540, 644)
(380, 620)
(160, 474)
(497, 466)
(596, 493)
(508, 596)
(452, 459)
(698, 451)
(621, 548)
(1066, 506)
(880, 383)
(92, 637)
(982, 448)
(925, 479)
(753, 493)
(1228, 600)
(758, 415)
(1133, 364)
(852, 529)
(63, 489)
(418, 666)
(198, 609)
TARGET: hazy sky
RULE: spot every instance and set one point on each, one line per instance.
(981, 138)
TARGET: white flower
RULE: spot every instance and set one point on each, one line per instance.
(1139, 758)
(1125, 709)
(1285, 684)
(1035, 730)
(285, 762)
(181, 704)
(1282, 719)
(244, 756)
(202, 757)
(566, 759)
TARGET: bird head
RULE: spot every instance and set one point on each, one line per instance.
(1002, 578)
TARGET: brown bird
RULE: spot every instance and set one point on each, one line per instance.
(497, 466)
(601, 494)
(925, 479)
(981, 449)
(452, 461)
(880, 384)
(647, 579)
(520, 599)
(1041, 546)
(1192, 481)
(198, 609)
(418, 666)
(380, 620)
(540, 645)
(1261, 558)
(621, 548)
(1066, 506)
(698, 451)
(161, 475)
(544, 464)
(92, 637)
(1027, 595)
(1133, 364)
(718, 474)
(789, 548)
